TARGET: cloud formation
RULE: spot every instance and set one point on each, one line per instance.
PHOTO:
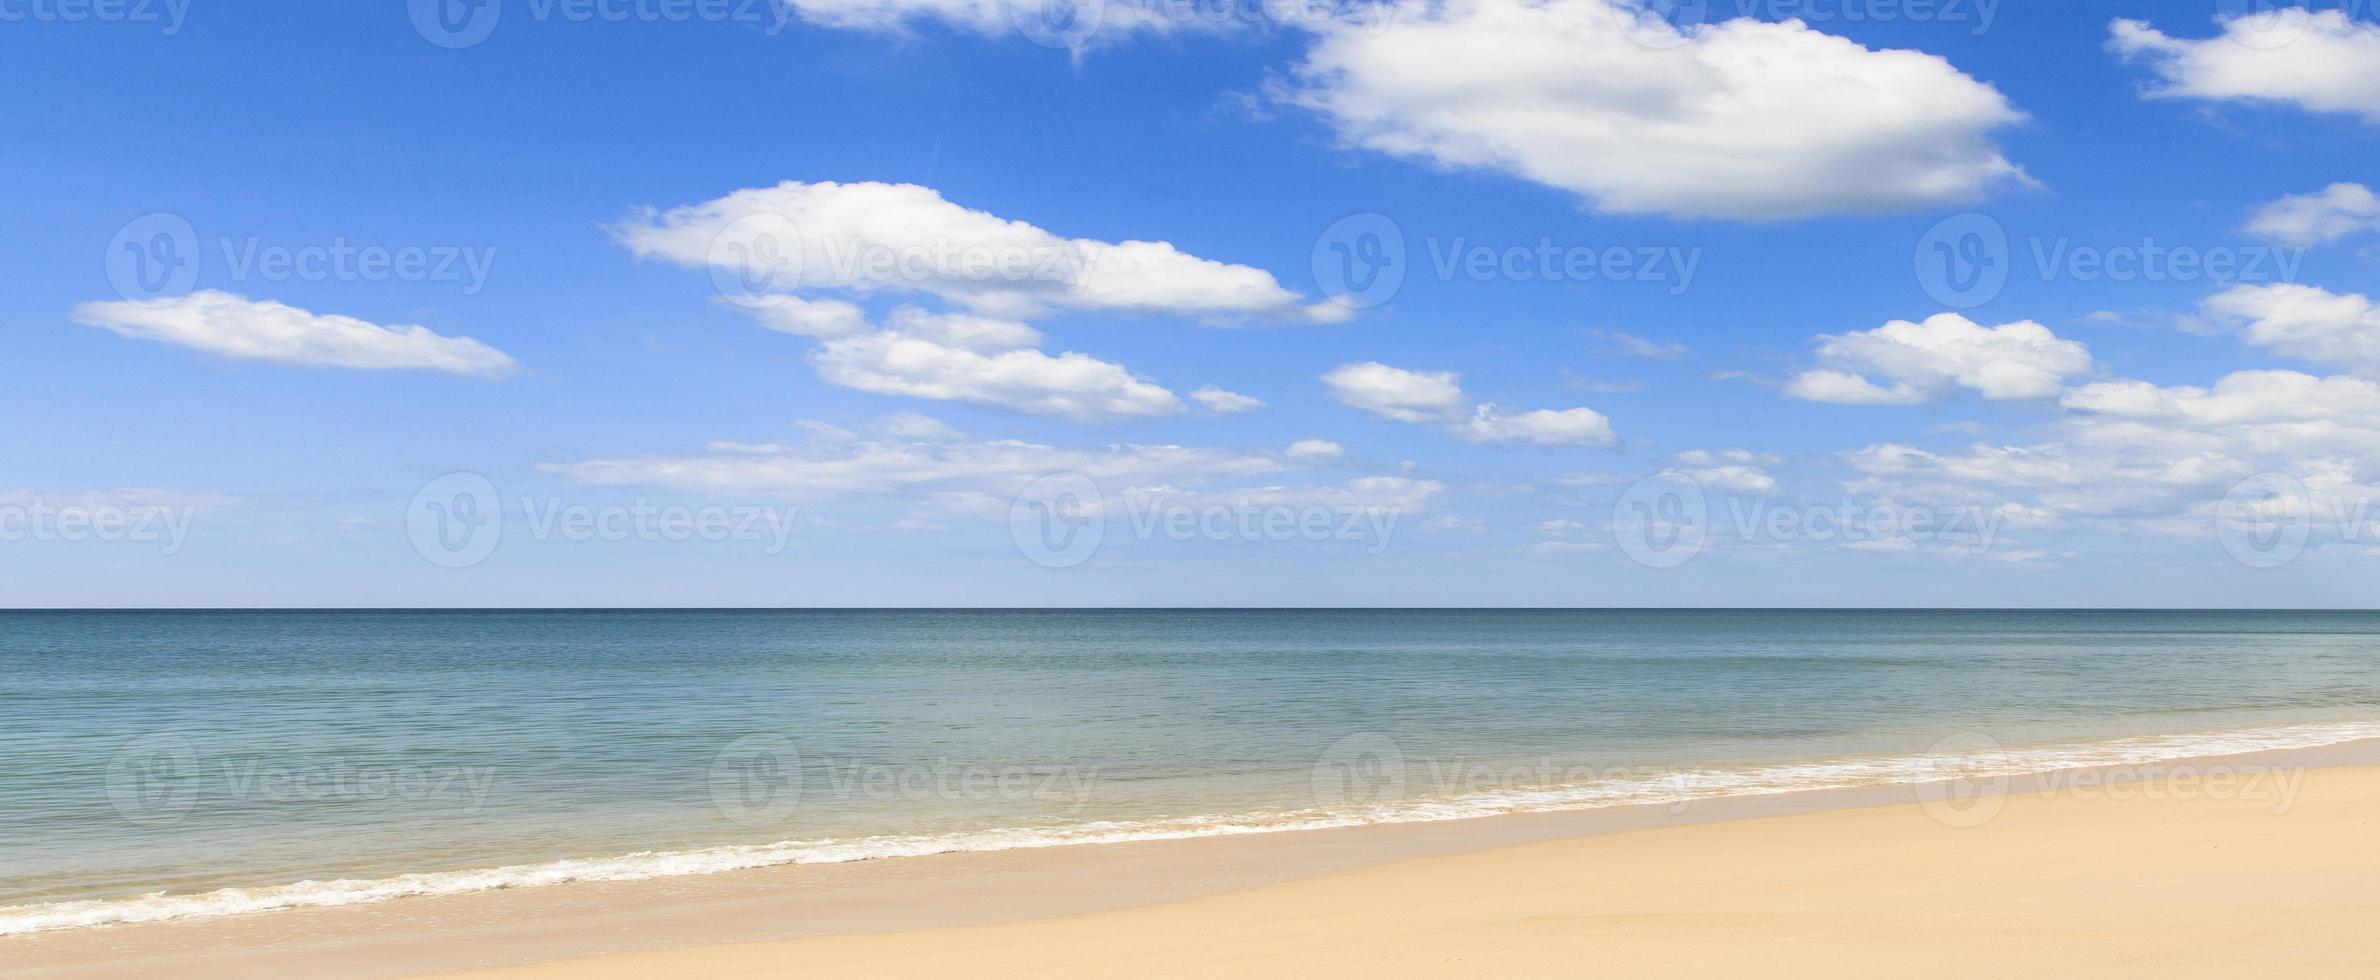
(1922, 361)
(864, 238)
(1223, 402)
(2327, 215)
(1437, 398)
(981, 361)
(262, 330)
(2304, 322)
(1741, 119)
(2323, 61)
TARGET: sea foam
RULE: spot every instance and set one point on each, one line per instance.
(1669, 787)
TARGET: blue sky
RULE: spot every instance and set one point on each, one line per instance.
(260, 436)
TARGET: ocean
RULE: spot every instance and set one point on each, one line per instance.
(158, 765)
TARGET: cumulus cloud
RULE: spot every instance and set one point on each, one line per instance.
(1745, 479)
(2304, 322)
(2332, 213)
(876, 237)
(1726, 469)
(261, 330)
(1844, 388)
(1542, 427)
(1399, 395)
(2322, 61)
(1315, 451)
(980, 371)
(823, 318)
(1437, 398)
(771, 250)
(1224, 402)
(1741, 119)
(1920, 361)
(2131, 455)
(961, 357)
(2238, 399)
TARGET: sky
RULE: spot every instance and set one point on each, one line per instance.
(1174, 303)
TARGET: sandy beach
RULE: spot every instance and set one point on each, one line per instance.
(2176, 877)
(2217, 867)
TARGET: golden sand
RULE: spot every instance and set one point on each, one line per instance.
(2167, 878)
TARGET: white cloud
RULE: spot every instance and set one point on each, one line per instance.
(1437, 398)
(2043, 465)
(1315, 451)
(262, 330)
(770, 249)
(1721, 457)
(1727, 469)
(955, 477)
(969, 359)
(1226, 402)
(1842, 388)
(1741, 119)
(974, 333)
(871, 237)
(2305, 322)
(822, 318)
(2332, 213)
(1745, 479)
(2124, 483)
(1921, 361)
(1543, 427)
(2241, 398)
(993, 470)
(1399, 395)
(2322, 61)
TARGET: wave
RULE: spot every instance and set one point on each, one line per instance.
(1668, 787)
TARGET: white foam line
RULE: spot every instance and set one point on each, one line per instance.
(1681, 786)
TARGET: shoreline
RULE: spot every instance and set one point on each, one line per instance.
(1973, 757)
(519, 926)
(2165, 879)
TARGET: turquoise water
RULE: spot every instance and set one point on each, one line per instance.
(160, 764)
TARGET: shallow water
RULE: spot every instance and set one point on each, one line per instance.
(160, 764)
